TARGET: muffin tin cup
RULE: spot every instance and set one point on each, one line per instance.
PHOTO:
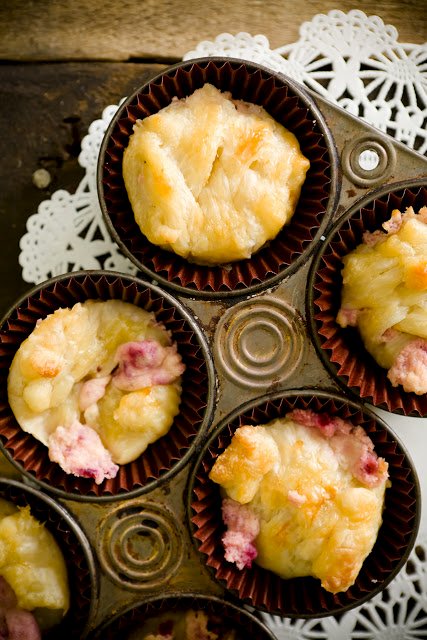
(77, 553)
(133, 618)
(304, 597)
(161, 459)
(342, 350)
(291, 106)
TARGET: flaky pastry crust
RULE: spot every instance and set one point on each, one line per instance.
(384, 295)
(78, 370)
(212, 179)
(315, 516)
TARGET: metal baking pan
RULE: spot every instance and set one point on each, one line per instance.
(259, 343)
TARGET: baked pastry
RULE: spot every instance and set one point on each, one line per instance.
(384, 295)
(96, 384)
(33, 575)
(303, 496)
(212, 178)
(191, 624)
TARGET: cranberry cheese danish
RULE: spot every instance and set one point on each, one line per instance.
(384, 295)
(303, 496)
(96, 384)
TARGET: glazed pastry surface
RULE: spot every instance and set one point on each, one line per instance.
(384, 295)
(31, 561)
(212, 179)
(96, 384)
(317, 490)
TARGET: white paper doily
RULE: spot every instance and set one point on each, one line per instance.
(357, 62)
(352, 60)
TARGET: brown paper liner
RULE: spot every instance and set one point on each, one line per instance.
(342, 350)
(304, 597)
(246, 625)
(77, 555)
(290, 106)
(160, 457)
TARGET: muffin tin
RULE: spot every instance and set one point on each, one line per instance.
(257, 339)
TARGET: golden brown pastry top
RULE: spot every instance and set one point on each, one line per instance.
(31, 561)
(212, 179)
(240, 469)
(318, 495)
(78, 370)
(384, 295)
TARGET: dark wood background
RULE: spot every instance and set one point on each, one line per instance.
(62, 62)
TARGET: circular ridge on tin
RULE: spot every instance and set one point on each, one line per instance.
(342, 350)
(260, 342)
(381, 147)
(290, 105)
(162, 458)
(304, 597)
(132, 618)
(77, 553)
(139, 545)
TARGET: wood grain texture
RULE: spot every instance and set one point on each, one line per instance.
(45, 111)
(166, 29)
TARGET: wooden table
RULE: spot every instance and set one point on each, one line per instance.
(64, 61)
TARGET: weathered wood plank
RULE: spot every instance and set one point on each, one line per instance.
(154, 29)
(44, 112)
